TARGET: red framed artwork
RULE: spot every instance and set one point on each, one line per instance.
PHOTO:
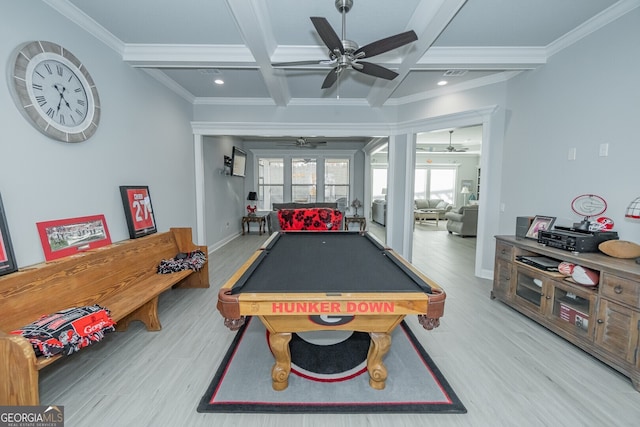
(64, 237)
(7, 259)
(138, 210)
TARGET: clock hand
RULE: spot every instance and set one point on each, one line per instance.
(62, 96)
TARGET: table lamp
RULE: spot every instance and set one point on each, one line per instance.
(252, 197)
(465, 193)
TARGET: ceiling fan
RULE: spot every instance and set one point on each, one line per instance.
(303, 143)
(345, 54)
(451, 148)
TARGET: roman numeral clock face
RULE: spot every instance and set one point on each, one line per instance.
(55, 92)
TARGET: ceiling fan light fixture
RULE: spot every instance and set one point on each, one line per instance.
(344, 5)
(345, 54)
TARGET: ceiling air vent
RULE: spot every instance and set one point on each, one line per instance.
(455, 73)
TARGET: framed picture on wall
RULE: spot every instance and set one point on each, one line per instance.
(138, 210)
(64, 237)
(539, 223)
(7, 259)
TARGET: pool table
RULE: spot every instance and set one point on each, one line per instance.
(302, 281)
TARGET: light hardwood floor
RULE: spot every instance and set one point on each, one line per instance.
(507, 370)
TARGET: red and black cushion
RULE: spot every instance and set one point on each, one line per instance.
(67, 331)
(316, 219)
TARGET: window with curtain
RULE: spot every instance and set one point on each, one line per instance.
(336, 180)
(303, 180)
(270, 182)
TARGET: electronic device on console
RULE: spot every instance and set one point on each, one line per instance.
(574, 240)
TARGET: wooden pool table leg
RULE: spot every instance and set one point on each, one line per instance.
(379, 347)
(279, 343)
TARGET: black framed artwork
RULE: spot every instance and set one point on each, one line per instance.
(138, 210)
(7, 258)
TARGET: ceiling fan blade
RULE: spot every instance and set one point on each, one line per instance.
(327, 34)
(376, 70)
(296, 63)
(330, 79)
(387, 44)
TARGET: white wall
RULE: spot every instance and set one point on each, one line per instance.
(144, 138)
(225, 196)
(587, 95)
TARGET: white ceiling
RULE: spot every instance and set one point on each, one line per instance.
(186, 43)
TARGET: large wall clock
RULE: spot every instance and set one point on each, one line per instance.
(54, 91)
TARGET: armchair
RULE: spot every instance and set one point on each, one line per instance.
(464, 221)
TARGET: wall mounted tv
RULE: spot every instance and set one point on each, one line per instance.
(238, 162)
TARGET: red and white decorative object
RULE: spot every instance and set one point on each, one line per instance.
(604, 223)
(64, 237)
(633, 210)
(585, 276)
(252, 197)
(566, 268)
(574, 316)
(138, 212)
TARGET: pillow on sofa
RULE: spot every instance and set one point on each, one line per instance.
(318, 219)
(441, 205)
(68, 331)
(421, 204)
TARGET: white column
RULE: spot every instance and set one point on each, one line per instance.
(198, 153)
(400, 194)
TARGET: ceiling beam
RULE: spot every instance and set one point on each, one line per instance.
(428, 21)
(252, 20)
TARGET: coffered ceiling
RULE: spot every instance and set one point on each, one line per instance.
(187, 44)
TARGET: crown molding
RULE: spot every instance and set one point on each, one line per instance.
(71, 12)
(447, 90)
(479, 57)
(187, 55)
(607, 16)
(275, 129)
(170, 84)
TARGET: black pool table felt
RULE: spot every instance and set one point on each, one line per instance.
(327, 262)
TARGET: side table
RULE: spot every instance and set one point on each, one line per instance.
(259, 217)
(359, 219)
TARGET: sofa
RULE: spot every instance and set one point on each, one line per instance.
(463, 222)
(431, 204)
(379, 211)
(274, 222)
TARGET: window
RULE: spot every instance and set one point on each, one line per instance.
(270, 182)
(435, 183)
(379, 182)
(303, 180)
(336, 180)
(288, 176)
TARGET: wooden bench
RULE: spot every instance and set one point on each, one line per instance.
(121, 277)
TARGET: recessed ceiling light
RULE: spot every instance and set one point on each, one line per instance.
(219, 81)
(442, 82)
